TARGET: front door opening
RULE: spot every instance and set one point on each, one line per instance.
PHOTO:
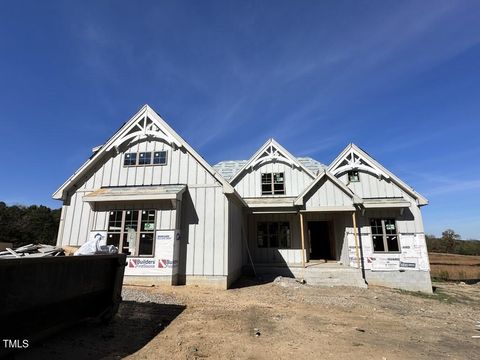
(320, 247)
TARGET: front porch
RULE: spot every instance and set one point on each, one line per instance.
(309, 245)
(296, 238)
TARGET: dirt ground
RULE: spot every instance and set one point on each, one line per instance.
(279, 320)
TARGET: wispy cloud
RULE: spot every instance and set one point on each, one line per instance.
(454, 186)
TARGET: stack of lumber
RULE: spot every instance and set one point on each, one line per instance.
(30, 251)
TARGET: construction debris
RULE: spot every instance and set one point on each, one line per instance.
(31, 251)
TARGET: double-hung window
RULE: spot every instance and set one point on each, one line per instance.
(384, 235)
(273, 184)
(132, 231)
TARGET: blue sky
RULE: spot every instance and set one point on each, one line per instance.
(401, 79)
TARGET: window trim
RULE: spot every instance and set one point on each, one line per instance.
(152, 158)
(138, 230)
(358, 176)
(130, 153)
(272, 184)
(385, 235)
(147, 154)
(166, 158)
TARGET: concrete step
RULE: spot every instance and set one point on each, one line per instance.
(322, 276)
(333, 277)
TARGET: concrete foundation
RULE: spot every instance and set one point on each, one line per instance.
(406, 280)
(218, 282)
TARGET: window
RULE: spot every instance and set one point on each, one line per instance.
(160, 157)
(353, 176)
(144, 158)
(384, 235)
(132, 231)
(130, 159)
(273, 184)
(273, 234)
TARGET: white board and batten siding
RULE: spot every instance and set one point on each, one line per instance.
(206, 252)
(327, 194)
(250, 184)
(371, 186)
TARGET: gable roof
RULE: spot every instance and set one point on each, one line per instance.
(311, 164)
(353, 157)
(271, 151)
(146, 123)
(229, 168)
(325, 174)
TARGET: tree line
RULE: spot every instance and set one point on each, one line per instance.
(21, 225)
(450, 242)
(35, 224)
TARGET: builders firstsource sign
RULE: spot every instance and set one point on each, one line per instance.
(165, 259)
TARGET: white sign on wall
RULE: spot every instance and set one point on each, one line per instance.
(413, 255)
(165, 259)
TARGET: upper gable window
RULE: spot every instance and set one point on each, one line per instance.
(273, 184)
(353, 176)
(145, 158)
(130, 159)
(160, 157)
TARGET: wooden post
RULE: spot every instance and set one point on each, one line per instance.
(357, 254)
(302, 234)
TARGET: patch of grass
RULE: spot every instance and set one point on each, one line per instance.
(437, 295)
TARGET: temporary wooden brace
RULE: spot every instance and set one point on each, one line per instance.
(303, 239)
(354, 218)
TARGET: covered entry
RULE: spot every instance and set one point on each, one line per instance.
(142, 222)
(321, 240)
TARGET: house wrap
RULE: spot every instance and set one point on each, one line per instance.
(179, 219)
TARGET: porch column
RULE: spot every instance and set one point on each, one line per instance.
(302, 235)
(354, 219)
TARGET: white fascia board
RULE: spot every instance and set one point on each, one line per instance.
(300, 199)
(146, 110)
(255, 159)
(421, 200)
(59, 193)
(226, 185)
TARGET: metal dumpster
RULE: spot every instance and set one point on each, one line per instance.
(38, 296)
